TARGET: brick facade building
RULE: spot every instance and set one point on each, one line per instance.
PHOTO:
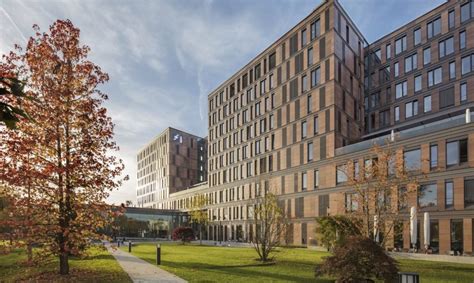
(320, 96)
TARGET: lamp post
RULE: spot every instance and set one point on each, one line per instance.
(158, 254)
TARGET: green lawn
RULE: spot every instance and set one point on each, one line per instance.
(99, 266)
(218, 264)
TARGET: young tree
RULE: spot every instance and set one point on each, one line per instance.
(332, 231)
(381, 188)
(198, 213)
(183, 234)
(270, 223)
(67, 150)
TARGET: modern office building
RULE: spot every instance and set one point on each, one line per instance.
(320, 96)
(171, 162)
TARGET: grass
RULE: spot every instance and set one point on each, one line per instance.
(98, 266)
(221, 264)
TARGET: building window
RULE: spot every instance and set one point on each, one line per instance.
(262, 87)
(310, 151)
(384, 118)
(272, 81)
(257, 109)
(341, 176)
(410, 63)
(304, 40)
(462, 40)
(456, 152)
(451, 19)
(303, 129)
(271, 65)
(316, 125)
(467, 64)
(304, 181)
(316, 178)
(457, 241)
(315, 77)
(449, 194)
(446, 47)
(435, 77)
(412, 159)
(401, 89)
(467, 11)
(433, 28)
(428, 196)
(397, 113)
(374, 99)
(418, 83)
(452, 70)
(293, 44)
(315, 29)
(304, 83)
(463, 92)
(310, 56)
(400, 45)
(433, 156)
(411, 109)
(356, 170)
(396, 69)
(378, 54)
(427, 103)
(469, 194)
(426, 56)
(351, 202)
(446, 97)
(417, 36)
(388, 51)
(347, 34)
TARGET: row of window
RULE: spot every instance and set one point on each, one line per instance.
(456, 154)
(427, 196)
(433, 28)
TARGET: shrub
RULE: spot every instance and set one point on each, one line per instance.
(183, 234)
(333, 230)
(358, 259)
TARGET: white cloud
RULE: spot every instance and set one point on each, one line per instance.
(164, 57)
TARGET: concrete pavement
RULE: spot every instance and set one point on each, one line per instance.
(141, 271)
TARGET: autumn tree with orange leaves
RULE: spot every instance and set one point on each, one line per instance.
(57, 168)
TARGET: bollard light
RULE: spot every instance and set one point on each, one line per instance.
(129, 246)
(158, 254)
(408, 277)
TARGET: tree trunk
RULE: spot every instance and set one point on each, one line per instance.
(64, 263)
(30, 253)
(200, 234)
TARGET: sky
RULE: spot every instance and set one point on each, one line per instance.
(165, 56)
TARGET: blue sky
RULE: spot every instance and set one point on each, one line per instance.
(164, 57)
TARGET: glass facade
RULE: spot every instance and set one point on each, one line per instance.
(147, 223)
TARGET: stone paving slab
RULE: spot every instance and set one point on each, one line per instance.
(141, 271)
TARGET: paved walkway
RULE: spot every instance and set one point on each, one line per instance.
(443, 258)
(141, 271)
